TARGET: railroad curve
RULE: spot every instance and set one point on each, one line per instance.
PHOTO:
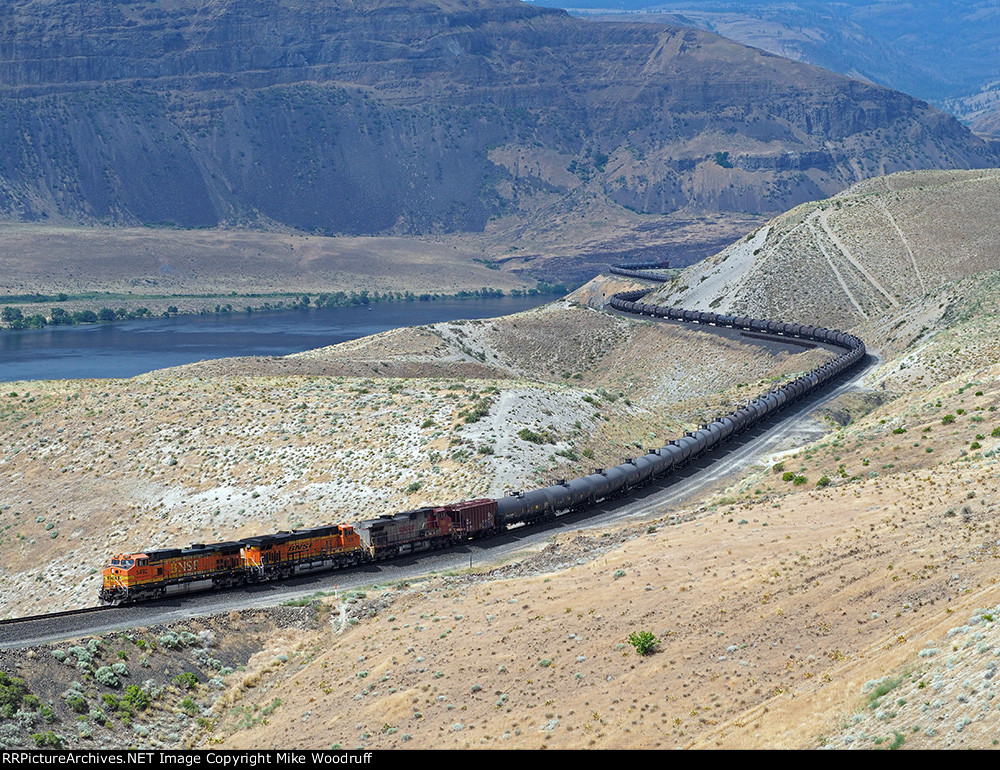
(587, 491)
(604, 484)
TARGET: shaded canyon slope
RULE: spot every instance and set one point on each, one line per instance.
(943, 51)
(384, 117)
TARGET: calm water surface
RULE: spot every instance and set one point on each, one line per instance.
(128, 348)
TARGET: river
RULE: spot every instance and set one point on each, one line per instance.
(128, 348)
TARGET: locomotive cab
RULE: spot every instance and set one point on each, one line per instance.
(125, 573)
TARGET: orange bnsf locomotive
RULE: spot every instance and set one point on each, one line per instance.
(140, 576)
(270, 557)
(151, 574)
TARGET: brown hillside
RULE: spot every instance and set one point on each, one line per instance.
(237, 447)
(858, 256)
(840, 594)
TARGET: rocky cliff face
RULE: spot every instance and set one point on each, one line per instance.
(385, 116)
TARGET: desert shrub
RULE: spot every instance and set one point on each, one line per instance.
(112, 702)
(12, 694)
(76, 702)
(204, 657)
(187, 680)
(526, 434)
(26, 719)
(47, 740)
(106, 676)
(878, 688)
(645, 642)
(175, 641)
(82, 655)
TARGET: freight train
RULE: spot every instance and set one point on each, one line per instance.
(152, 573)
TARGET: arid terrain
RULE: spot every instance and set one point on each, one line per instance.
(232, 447)
(841, 594)
(856, 258)
(198, 270)
(195, 270)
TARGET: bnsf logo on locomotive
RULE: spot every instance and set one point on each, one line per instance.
(181, 567)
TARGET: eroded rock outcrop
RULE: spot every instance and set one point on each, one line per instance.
(381, 116)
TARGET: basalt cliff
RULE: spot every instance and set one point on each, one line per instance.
(391, 117)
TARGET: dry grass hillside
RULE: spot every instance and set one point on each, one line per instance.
(842, 594)
(949, 331)
(195, 269)
(856, 609)
(235, 447)
(859, 256)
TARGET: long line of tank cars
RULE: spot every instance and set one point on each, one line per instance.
(150, 574)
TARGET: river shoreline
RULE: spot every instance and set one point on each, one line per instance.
(129, 347)
(18, 313)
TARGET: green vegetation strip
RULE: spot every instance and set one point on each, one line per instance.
(15, 318)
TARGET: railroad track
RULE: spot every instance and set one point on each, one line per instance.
(53, 615)
(693, 445)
